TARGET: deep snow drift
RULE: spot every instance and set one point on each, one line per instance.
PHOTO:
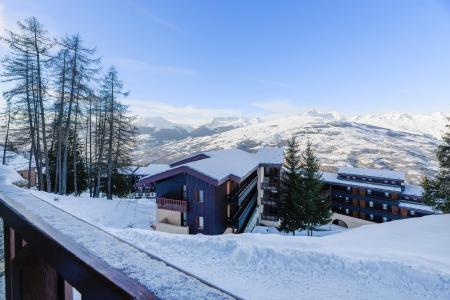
(406, 259)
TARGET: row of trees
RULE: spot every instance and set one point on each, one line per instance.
(303, 204)
(437, 189)
(64, 113)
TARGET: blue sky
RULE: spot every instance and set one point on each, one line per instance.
(212, 58)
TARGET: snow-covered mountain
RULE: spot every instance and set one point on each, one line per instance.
(395, 141)
(432, 124)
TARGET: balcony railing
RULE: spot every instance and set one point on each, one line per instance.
(172, 204)
(51, 254)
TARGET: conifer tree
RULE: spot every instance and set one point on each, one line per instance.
(291, 216)
(313, 201)
(437, 190)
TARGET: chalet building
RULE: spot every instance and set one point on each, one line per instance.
(360, 196)
(232, 190)
(216, 192)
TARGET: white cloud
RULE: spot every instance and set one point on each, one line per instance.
(143, 66)
(188, 114)
(279, 107)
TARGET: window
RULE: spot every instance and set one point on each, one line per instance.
(184, 219)
(349, 188)
(364, 178)
(346, 198)
(393, 182)
(347, 211)
(370, 179)
(200, 222)
(406, 197)
(369, 192)
(184, 192)
(412, 213)
(200, 196)
(385, 219)
(386, 194)
(371, 216)
(370, 203)
(386, 181)
(384, 206)
(348, 177)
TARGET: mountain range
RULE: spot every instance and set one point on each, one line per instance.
(400, 141)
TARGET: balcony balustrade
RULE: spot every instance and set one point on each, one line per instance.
(172, 204)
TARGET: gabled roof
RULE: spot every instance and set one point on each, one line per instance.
(219, 165)
(374, 173)
(151, 169)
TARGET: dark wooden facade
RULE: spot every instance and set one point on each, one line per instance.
(212, 209)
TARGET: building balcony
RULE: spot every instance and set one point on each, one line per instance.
(172, 204)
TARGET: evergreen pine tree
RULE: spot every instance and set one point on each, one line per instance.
(313, 201)
(289, 209)
(437, 190)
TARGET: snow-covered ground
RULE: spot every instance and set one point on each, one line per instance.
(406, 259)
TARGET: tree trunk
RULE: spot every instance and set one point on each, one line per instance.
(41, 104)
(58, 177)
(110, 142)
(75, 187)
(5, 145)
(67, 126)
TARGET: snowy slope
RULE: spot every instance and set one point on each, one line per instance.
(405, 259)
(339, 142)
(432, 124)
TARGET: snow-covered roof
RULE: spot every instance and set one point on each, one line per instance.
(376, 173)
(417, 206)
(270, 156)
(333, 178)
(221, 164)
(16, 161)
(127, 170)
(151, 169)
(413, 190)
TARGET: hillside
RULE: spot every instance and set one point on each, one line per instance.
(394, 141)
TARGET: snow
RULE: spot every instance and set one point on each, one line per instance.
(152, 273)
(17, 161)
(333, 178)
(10, 175)
(413, 190)
(338, 142)
(377, 173)
(406, 259)
(220, 164)
(151, 169)
(415, 206)
(270, 155)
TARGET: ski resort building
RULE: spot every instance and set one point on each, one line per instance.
(359, 196)
(217, 191)
(233, 190)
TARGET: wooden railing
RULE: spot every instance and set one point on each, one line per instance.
(172, 204)
(42, 263)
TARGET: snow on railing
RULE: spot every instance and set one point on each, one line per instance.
(49, 252)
